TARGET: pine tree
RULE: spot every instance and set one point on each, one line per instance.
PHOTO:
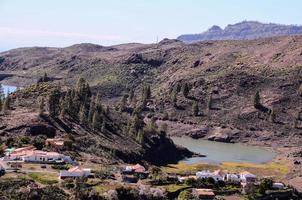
(63, 105)
(136, 124)
(140, 136)
(91, 110)
(174, 99)
(54, 103)
(1, 92)
(6, 105)
(41, 106)
(186, 90)
(299, 115)
(95, 120)
(83, 90)
(1, 97)
(257, 100)
(153, 124)
(210, 102)
(272, 116)
(195, 108)
(177, 87)
(146, 93)
(131, 95)
(107, 110)
(123, 103)
(103, 128)
(297, 120)
(45, 78)
(83, 115)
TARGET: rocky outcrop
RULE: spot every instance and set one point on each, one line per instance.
(140, 59)
(161, 150)
(197, 133)
(220, 134)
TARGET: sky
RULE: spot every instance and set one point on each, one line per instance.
(60, 23)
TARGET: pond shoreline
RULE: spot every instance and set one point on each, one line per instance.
(217, 152)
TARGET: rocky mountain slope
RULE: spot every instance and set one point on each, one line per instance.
(25, 124)
(242, 31)
(226, 73)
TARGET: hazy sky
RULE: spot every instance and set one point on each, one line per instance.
(106, 22)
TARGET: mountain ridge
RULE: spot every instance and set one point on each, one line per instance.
(242, 31)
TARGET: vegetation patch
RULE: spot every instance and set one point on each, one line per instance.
(174, 187)
(278, 169)
(268, 169)
(105, 187)
(44, 178)
(183, 168)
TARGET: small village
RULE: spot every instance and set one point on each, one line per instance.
(204, 184)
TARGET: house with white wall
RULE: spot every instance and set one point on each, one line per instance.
(207, 174)
(247, 177)
(75, 172)
(232, 178)
(30, 154)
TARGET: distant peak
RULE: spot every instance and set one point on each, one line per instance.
(168, 41)
(215, 28)
(85, 45)
(248, 22)
(244, 30)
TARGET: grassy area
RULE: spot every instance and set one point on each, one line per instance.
(183, 168)
(184, 195)
(277, 169)
(44, 178)
(174, 187)
(105, 187)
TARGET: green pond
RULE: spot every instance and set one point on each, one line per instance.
(217, 152)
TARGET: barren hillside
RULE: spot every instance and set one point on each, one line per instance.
(231, 72)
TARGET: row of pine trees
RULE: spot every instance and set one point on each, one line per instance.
(78, 104)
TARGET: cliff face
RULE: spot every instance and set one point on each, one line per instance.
(242, 31)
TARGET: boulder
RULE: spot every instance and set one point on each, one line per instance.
(198, 133)
(220, 134)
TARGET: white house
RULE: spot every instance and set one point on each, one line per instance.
(30, 154)
(203, 193)
(207, 174)
(247, 177)
(232, 178)
(43, 156)
(75, 172)
(135, 168)
(278, 186)
(185, 178)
